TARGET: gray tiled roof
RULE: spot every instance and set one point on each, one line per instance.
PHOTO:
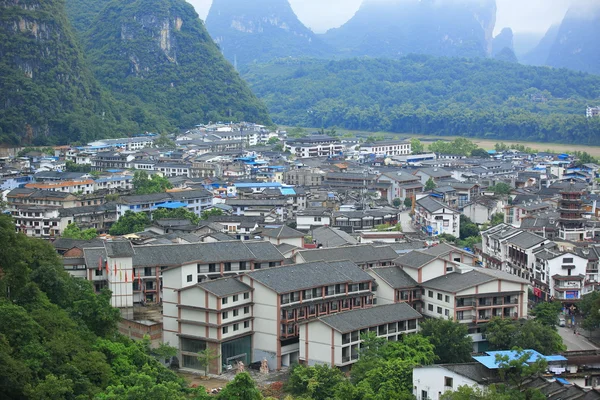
(367, 317)
(526, 240)
(65, 243)
(360, 254)
(309, 275)
(432, 205)
(394, 276)
(442, 249)
(119, 248)
(414, 259)
(283, 232)
(223, 287)
(330, 237)
(455, 282)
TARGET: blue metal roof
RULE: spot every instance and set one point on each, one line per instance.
(257, 185)
(287, 191)
(563, 381)
(175, 204)
(490, 362)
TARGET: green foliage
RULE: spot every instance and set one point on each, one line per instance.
(182, 79)
(72, 231)
(584, 158)
(213, 212)
(164, 141)
(459, 146)
(70, 166)
(273, 140)
(449, 338)
(493, 392)
(480, 153)
(497, 219)
(130, 222)
(501, 188)
(242, 387)
(430, 185)
(49, 94)
(388, 227)
(517, 370)
(408, 202)
(142, 184)
(177, 213)
(397, 202)
(547, 313)
(416, 146)
(318, 382)
(59, 340)
(423, 94)
(467, 228)
(590, 308)
(205, 357)
(504, 334)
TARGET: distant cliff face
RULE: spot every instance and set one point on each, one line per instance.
(395, 28)
(576, 45)
(261, 30)
(158, 52)
(47, 93)
(503, 40)
(539, 54)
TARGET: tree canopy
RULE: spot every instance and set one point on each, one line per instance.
(449, 338)
(505, 334)
(142, 184)
(130, 222)
(546, 313)
(72, 231)
(176, 213)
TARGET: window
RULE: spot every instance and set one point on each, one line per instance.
(568, 260)
(228, 266)
(225, 315)
(246, 295)
(439, 296)
(246, 310)
(430, 307)
(242, 265)
(447, 313)
(448, 381)
(189, 278)
(449, 269)
(447, 299)
(285, 298)
(212, 267)
(98, 272)
(236, 327)
(439, 310)
(235, 297)
(246, 324)
(430, 294)
(224, 300)
(225, 330)
(256, 265)
(236, 312)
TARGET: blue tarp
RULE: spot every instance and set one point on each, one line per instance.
(175, 204)
(563, 381)
(490, 362)
(287, 191)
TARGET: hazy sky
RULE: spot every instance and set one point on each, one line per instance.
(520, 15)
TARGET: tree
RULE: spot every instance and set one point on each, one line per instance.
(590, 308)
(518, 368)
(70, 166)
(176, 213)
(72, 231)
(408, 202)
(205, 357)
(278, 147)
(397, 202)
(497, 219)
(142, 184)
(213, 212)
(547, 313)
(467, 227)
(416, 146)
(317, 382)
(503, 334)
(273, 140)
(493, 392)
(163, 141)
(449, 338)
(479, 152)
(501, 188)
(242, 387)
(430, 185)
(130, 222)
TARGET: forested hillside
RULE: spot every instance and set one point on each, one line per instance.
(423, 94)
(58, 339)
(157, 54)
(47, 92)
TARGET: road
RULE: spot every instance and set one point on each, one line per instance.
(405, 222)
(574, 342)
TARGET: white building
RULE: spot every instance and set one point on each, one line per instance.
(310, 217)
(314, 146)
(560, 275)
(592, 112)
(436, 218)
(335, 339)
(387, 148)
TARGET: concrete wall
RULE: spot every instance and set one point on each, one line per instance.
(432, 380)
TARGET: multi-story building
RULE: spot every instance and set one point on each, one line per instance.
(304, 177)
(559, 276)
(286, 296)
(314, 146)
(85, 186)
(204, 170)
(313, 217)
(365, 255)
(129, 143)
(435, 218)
(273, 210)
(394, 285)
(112, 160)
(572, 222)
(173, 169)
(515, 213)
(335, 340)
(365, 219)
(196, 200)
(43, 198)
(387, 148)
(404, 184)
(99, 217)
(591, 112)
(114, 183)
(592, 255)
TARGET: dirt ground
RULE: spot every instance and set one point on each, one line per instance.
(209, 383)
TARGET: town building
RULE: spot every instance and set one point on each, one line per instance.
(435, 218)
(196, 200)
(365, 255)
(387, 148)
(591, 112)
(314, 146)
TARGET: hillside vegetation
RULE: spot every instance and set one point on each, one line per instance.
(427, 95)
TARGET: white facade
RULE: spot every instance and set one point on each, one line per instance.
(392, 148)
(305, 222)
(430, 382)
(306, 150)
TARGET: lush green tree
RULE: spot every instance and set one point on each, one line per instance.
(504, 334)
(72, 231)
(142, 184)
(70, 166)
(547, 313)
(416, 146)
(459, 146)
(493, 392)
(273, 140)
(318, 382)
(205, 357)
(130, 222)
(176, 213)
(213, 212)
(590, 308)
(408, 202)
(516, 370)
(430, 185)
(467, 227)
(500, 333)
(397, 202)
(449, 338)
(242, 387)
(479, 152)
(501, 188)
(497, 219)
(164, 141)
(278, 147)
(584, 158)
